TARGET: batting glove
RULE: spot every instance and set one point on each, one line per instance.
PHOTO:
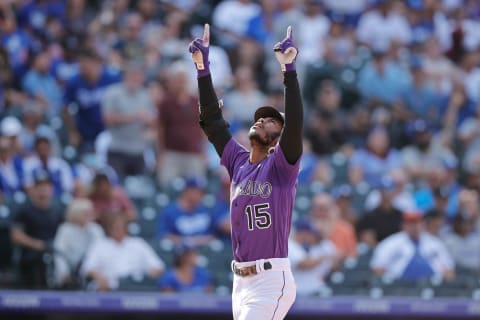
(199, 49)
(286, 52)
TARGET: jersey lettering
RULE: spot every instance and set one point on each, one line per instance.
(258, 215)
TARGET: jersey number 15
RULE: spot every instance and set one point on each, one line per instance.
(258, 215)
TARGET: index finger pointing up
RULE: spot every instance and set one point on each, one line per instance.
(206, 35)
(289, 32)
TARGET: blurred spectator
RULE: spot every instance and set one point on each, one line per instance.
(382, 25)
(339, 43)
(439, 70)
(260, 26)
(130, 45)
(34, 226)
(401, 194)
(419, 99)
(221, 210)
(441, 191)
(245, 97)
(119, 255)
(128, 113)
(11, 129)
(412, 254)
(382, 80)
(425, 150)
(347, 11)
(435, 222)
(231, 18)
(58, 169)
(325, 127)
(187, 219)
(83, 95)
(180, 142)
(40, 84)
(109, 199)
(375, 160)
(11, 170)
(463, 242)
(73, 239)
(312, 258)
(382, 221)
(326, 221)
(33, 126)
(456, 108)
(343, 199)
(186, 275)
(311, 31)
(470, 74)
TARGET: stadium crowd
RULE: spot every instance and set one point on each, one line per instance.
(106, 175)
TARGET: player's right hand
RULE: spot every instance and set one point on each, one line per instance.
(199, 49)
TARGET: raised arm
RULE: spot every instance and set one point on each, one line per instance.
(291, 139)
(211, 117)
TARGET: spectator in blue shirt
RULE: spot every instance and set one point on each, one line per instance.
(382, 80)
(186, 276)
(83, 96)
(187, 219)
(376, 160)
(42, 86)
(11, 173)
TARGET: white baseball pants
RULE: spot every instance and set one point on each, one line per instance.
(267, 295)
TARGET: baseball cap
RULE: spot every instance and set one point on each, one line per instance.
(304, 225)
(342, 191)
(385, 183)
(10, 126)
(195, 182)
(269, 111)
(183, 248)
(412, 216)
(418, 126)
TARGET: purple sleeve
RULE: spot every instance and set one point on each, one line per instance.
(233, 155)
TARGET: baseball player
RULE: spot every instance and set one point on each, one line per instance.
(263, 187)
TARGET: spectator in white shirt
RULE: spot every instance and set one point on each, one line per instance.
(72, 240)
(312, 258)
(412, 254)
(379, 27)
(119, 256)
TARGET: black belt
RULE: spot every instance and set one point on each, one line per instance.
(250, 270)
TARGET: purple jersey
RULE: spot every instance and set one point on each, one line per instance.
(261, 202)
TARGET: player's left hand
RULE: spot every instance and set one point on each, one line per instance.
(286, 52)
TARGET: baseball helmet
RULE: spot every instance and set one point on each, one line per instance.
(269, 111)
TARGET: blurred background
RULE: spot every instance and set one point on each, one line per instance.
(108, 184)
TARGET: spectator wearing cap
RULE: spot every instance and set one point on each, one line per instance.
(375, 160)
(82, 98)
(412, 253)
(187, 219)
(109, 199)
(382, 221)
(326, 220)
(426, 149)
(186, 276)
(72, 240)
(58, 169)
(343, 199)
(11, 169)
(129, 114)
(221, 210)
(463, 242)
(119, 255)
(312, 257)
(130, 45)
(34, 226)
(41, 85)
